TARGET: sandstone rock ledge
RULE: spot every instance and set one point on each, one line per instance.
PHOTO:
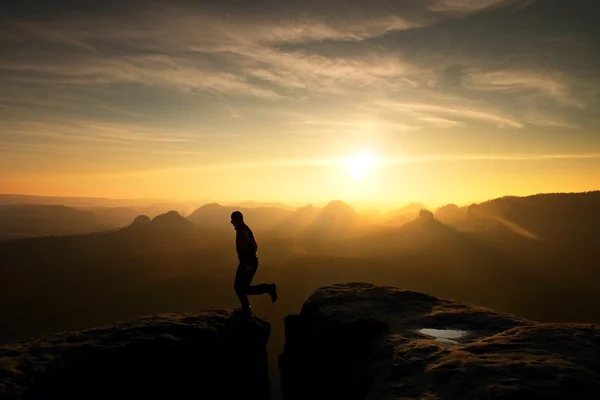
(204, 355)
(360, 341)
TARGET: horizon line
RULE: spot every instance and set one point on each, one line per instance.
(355, 204)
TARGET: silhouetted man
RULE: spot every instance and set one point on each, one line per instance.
(247, 248)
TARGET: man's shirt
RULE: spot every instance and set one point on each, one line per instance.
(245, 244)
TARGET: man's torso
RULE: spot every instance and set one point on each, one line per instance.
(245, 244)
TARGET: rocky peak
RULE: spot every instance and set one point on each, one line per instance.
(141, 220)
(362, 341)
(209, 354)
(425, 215)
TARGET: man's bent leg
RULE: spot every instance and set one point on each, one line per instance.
(259, 289)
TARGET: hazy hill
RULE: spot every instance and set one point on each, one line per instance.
(412, 208)
(166, 227)
(531, 217)
(146, 206)
(57, 200)
(216, 216)
(27, 220)
(403, 214)
(68, 201)
(335, 220)
(461, 259)
(543, 216)
(171, 220)
(294, 223)
(257, 204)
(115, 216)
(450, 213)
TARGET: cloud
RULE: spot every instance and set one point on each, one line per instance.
(55, 133)
(438, 115)
(342, 66)
(492, 157)
(516, 81)
(315, 29)
(302, 70)
(235, 50)
(146, 70)
(470, 6)
(438, 122)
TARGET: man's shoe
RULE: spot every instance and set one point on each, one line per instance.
(273, 292)
(244, 311)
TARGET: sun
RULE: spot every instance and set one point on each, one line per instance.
(359, 165)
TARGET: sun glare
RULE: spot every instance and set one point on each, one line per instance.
(359, 165)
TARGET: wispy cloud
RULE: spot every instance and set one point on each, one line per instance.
(516, 81)
(56, 137)
(492, 157)
(438, 115)
(470, 6)
(172, 39)
(146, 70)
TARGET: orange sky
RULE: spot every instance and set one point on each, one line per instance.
(457, 101)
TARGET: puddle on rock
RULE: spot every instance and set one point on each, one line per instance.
(447, 336)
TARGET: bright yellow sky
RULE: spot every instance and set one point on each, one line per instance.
(431, 181)
(456, 101)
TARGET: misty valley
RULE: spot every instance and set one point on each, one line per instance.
(534, 257)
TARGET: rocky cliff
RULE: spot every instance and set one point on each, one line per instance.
(360, 341)
(210, 354)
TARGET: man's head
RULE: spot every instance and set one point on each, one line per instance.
(237, 219)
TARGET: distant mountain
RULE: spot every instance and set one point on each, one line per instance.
(426, 244)
(218, 217)
(423, 229)
(147, 206)
(212, 215)
(141, 220)
(257, 204)
(295, 222)
(117, 217)
(336, 219)
(404, 214)
(29, 220)
(169, 222)
(67, 201)
(568, 216)
(450, 213)
(57, 200)
(409, 208)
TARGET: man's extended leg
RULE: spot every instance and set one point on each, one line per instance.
(262, 288)
(248, 272)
